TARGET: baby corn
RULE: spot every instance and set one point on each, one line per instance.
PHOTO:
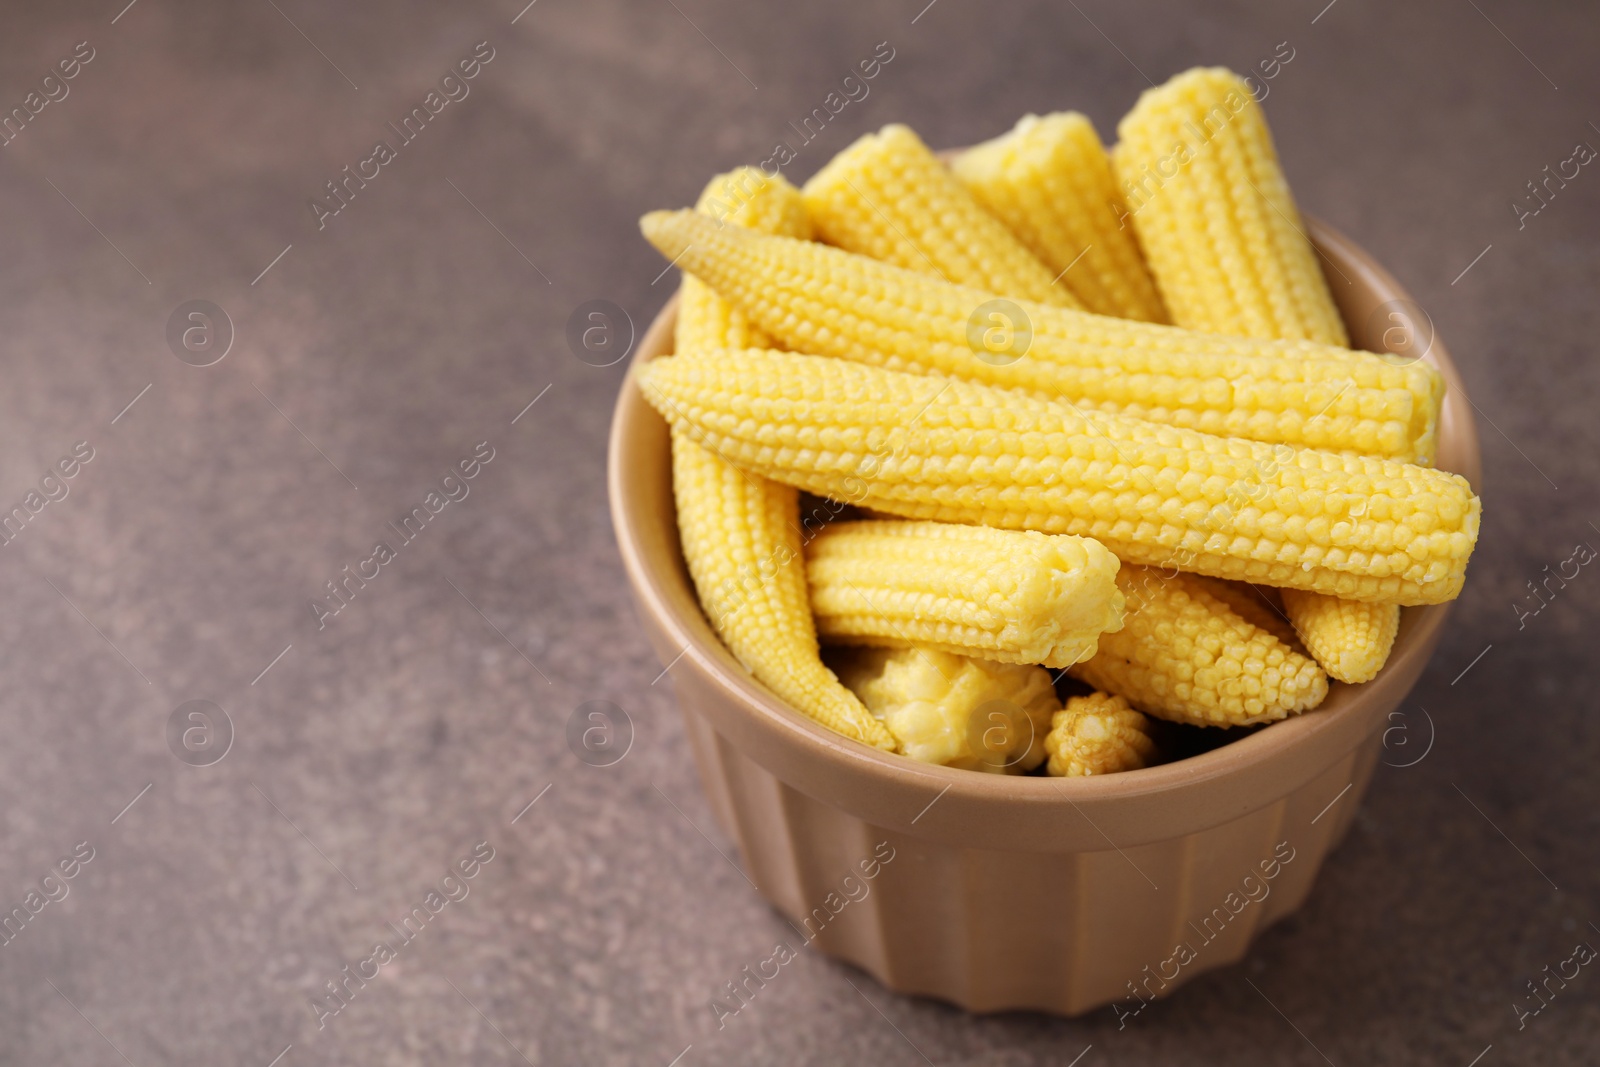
(888, 197)
(1182, 655)
(955, 710)
(1008, 595)
(1352, 641)
(926, 448)
(818, 299)
(1098, 734)
(741, 540)
(739, 531)
(1258, 606)
(1214, 213)
(1050, 181)
(745, 197)
(1230, 204)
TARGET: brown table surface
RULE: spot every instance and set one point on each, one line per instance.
(371, 355)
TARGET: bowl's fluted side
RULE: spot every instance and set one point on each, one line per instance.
(1050, 930)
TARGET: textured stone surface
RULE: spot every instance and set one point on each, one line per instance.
(424, 718)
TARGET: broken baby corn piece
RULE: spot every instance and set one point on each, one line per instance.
(1008, 595)
(951, 451)
(1231, 256)
(1352, 641)
(741, 541)
(887, 196)
(955, 710)
(1050, 181)
(1098, 734)
(739, 531)
(814, 298)
(1215, 216)
(1183, 655)
(745, 197)
(1256, 605)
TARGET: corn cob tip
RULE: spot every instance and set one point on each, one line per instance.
(645, 376)
(749, 197)
(893, 133)
(742, 547)
(1196, 81)
(1260, 606)
(666, 230)
(745, 197)
(1027, 124)
(1184, 655)
(1351, 641)
(1050, 181)
(889, 197)
(1098, 734)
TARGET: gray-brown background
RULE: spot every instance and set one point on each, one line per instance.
(424, 718)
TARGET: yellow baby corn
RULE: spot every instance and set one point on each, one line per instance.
(1182, 655)
(1214, 214)
(1009, 595)
(888, 197)
(1098, 734)
(1256, 605)
(745, 197)
(1352, 641)
(1050, 181)
(928, 448)
(814, 298)
(1231, 257)
(739, 531)
(741, 541)
(955, 710)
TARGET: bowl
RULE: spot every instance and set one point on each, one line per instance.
(994, 892)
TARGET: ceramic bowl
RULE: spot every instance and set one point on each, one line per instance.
(995, 892)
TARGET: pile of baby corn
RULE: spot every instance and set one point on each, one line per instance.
(1100, 411)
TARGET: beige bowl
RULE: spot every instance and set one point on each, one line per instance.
(997, 892)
